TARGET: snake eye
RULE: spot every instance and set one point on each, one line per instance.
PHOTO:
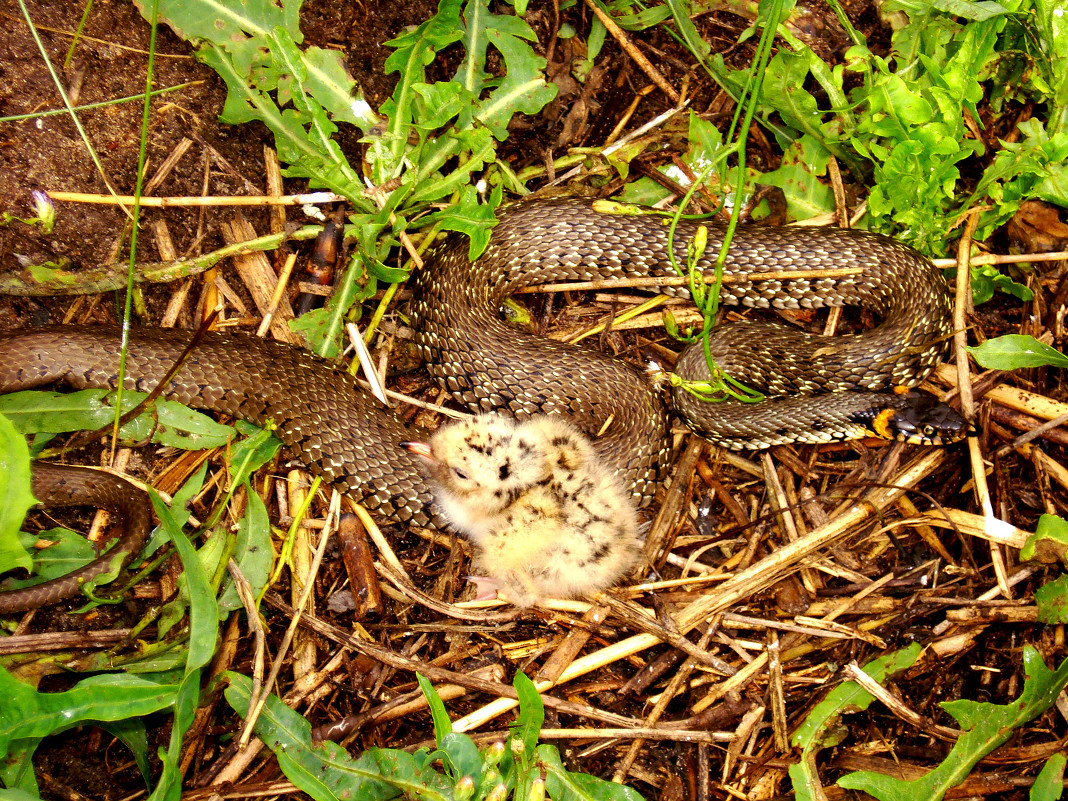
(928, 431)
(460, 474)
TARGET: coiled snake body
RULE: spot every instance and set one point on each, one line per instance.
(340, 432)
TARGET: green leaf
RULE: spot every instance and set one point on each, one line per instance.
(706, 155)
(805, 196)
(15, 496)
(442, 723)
(440, 103)
(821, 727)
(211, 557)
(563, 785)
(851, 696)
(527, 726)
(310, 148)
(12, 794)
(1049, 783)
(253, 552)
(1034, 166)
(171, 424)
(783, 91)
(1049, 543)
(1016, 351)
(985, 727)
(131, 732)
(969, 9)
(463, 756)
(303, 136)
(68, 551)
(324, 770)
(680, 15)
(224, 24)
(986, 280)
(203, 634)
(29, 715)
(1053, 28)
(322, 327)
(633, 17)
(412, 52)
(329, 83)
(470, 217)
(252, 45)
(1052, 601)
(523, 88)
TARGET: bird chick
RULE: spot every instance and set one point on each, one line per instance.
(547, 519)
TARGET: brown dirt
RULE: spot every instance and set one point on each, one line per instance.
(46, 152)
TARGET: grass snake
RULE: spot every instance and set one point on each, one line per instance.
(821, 386)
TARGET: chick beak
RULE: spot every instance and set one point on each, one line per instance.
(419, 449)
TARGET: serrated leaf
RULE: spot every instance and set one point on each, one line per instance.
(523, 88)
(480, 146)
(783, 90)
(985, 727)
(335, 90)
(805, 195)
(440, 103)
(225, 23)
(470, 217)
(412, 51)
(851, 696)
(303, 137)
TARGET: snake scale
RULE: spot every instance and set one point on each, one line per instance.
(67, 485)
(340, 432)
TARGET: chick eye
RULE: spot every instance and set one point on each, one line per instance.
(460, 474)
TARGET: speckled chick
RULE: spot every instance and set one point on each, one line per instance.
(546, 517)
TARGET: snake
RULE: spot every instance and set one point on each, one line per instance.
(69, 485)
(820, 389)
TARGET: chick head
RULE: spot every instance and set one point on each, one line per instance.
(480, 466)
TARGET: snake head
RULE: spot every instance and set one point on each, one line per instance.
(920, 419)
